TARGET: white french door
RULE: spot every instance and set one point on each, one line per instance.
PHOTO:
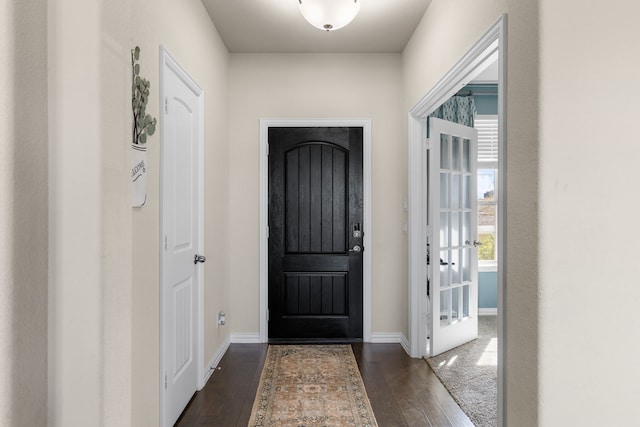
(181, 240)
(452, 273)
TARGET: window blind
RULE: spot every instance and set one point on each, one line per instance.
(487, 127)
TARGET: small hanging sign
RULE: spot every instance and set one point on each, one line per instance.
(139, 174)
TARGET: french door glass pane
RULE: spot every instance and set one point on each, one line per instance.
(455, 229)
(466, 228)
(455, 305)
(466, 156)
(455, 191)
(445, 280)
(444, 229)
(466, 192)
(455, 266)
(465, 301)
(444, 152)
(444, 190)
(455, 153)
(466, 265)
(445, 307)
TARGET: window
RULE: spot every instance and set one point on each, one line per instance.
(487, 127)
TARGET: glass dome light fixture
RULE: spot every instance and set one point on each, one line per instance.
(329, 15)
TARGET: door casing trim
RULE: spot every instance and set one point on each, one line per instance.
(167, 60)
(493, 43)
(265, 124)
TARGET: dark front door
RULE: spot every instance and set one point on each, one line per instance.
(315, 223)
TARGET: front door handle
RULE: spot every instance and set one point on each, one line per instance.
(356, 249)
(199, 258)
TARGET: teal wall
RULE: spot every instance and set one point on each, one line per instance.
(486, 104)
(487, 98)
(488, 290)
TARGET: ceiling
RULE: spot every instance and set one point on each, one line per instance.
(278, 26)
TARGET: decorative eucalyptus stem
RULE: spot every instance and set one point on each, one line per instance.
(143, 124)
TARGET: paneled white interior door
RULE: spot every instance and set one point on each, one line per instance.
(181, 240)
(453, 256)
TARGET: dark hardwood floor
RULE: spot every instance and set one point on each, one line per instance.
(404, 392)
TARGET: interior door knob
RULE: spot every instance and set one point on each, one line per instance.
(199, 258)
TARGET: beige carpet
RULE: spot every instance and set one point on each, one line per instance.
(311, 386)
(469, 373)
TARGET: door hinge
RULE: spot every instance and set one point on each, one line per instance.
(268, 315)
(267, 232)
(166, 105)
(165, 242)
(427, 144)
(166, 382)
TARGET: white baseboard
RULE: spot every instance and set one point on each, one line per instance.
(487, 311)
(386, 337)
(245, 338)
(405, 344)
(390, 338)
(376, 337)
(215, 360)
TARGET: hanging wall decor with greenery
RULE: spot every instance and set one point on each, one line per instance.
(144, 124)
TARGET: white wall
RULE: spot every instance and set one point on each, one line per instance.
(104, 293)
(571, 201)
(185, 30)
(23, 213)
(571, 300)
(447, 31)
(89, 217)
(319, 86)
(588, 207)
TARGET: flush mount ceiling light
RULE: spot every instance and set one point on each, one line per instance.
(329, 15)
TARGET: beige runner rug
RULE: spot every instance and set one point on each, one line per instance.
(311, 386)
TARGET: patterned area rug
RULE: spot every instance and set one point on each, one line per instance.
(311, 386)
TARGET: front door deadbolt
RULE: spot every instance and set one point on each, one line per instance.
(357, 232)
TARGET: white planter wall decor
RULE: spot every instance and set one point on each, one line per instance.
(144, 125)
(138, 174)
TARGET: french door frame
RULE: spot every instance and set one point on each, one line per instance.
(265, 124)
(491, 45)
